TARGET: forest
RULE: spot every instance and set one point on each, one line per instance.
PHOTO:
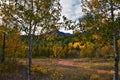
(32, 47)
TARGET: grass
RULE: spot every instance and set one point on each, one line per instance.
(48, 69)
(12, 71)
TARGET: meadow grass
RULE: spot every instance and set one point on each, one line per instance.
(48, 69)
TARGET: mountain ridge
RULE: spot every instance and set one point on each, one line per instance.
(58, 33)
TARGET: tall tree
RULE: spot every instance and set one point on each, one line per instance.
(106, 12)
(32, 17)
(4, 26)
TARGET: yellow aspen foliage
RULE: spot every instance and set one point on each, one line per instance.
(14, 45)
(95, 3)
(82, 46)
(49, 37)
(106, 50)
(0, 12)
(95, 36)
(87, 51)
(119, 44)
(104, 21)
(70, 45)
(0, 41)
(95, 25)
(57, 51)
(89, 28)
(76, 45)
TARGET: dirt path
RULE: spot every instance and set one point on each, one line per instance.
(62, 62)
(68, 63)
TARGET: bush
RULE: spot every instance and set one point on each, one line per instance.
(41, 52)
(106, 51)
(87, 51)
(95, 77)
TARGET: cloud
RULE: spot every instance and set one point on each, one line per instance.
(71, 9)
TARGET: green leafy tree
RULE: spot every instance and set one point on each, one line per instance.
(4, 24)
(30, 16)
(105, 22)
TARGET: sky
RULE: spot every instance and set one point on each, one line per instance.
(72, 10)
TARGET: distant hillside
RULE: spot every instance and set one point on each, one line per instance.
(51, 35)
(58, 33)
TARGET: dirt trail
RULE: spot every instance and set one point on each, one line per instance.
(62, 62)
(67, 63)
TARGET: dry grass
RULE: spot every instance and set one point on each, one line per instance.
(65, 69)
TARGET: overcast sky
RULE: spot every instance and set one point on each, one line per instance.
(71, 9)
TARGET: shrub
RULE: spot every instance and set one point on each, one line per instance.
(95, 77)
(87, 51)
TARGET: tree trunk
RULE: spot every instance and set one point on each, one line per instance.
(116, 60)
(30, 46)
(3, 48)
(29, 58)
(29, 54)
